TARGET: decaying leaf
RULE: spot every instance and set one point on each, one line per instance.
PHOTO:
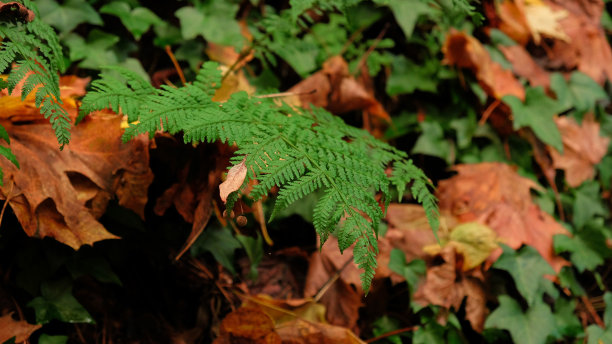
(235, 179)
(300, 331)
(495, 195)
(336, 90)
(525, 66)
(446, 285)
(465, 51)
(60, 193)
(583, 148)
(247, 325)
(10, 328)
(15, 10)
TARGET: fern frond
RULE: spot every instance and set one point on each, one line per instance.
(298, 151)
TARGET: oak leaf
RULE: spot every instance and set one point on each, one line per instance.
(583, 148)
(10, 328)
(465, 51)
(495, 195)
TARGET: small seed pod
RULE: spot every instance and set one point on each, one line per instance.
(231, 214)
(241, 220)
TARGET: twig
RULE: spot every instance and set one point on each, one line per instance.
(176, 65)
(286, 94)
(331, 281)
(592, 311)
(243, 54)
(371, 48)
(392, 333)
(6, 202)
(488, 111)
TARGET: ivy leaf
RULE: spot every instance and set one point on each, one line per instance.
(67, 16)
(580, 91)
(587, 248)
(214, 21)
(587, 204)
(254, 250)
(220, 243)
(407, 12)
(137, 20)
(408, 76)
(527, 268)
(530, 327)
(597, 334)
(566, 323)
(537, 113)
(47, 339)
(57, 303)
(412, 271)
(95, 51)
(432, 141)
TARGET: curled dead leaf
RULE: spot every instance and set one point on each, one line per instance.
(235, 179)
(465, 51)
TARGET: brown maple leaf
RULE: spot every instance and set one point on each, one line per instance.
(465, 51)
(61, 193)
(495, 195)
(447, 285)
(10, 328)
(583, 148)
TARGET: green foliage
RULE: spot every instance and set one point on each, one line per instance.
(220, 243)
(57, 303)
(299, 151)
(412, 271)
(35, 49)
(527, 268)
(532, 326)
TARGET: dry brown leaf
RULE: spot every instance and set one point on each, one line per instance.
(525, 66)
(343, 298)
(507, 16)
(334, 89)
(235, 179)
(583, 148)
(495, 195)
(301, 331)
(447, 285)
(247, 325)
(10, 328)
(465, 51)
(60, 193)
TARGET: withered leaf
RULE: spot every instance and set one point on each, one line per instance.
(446, 285)
(465, 51)
(15, 11)
(495, 195)
(247, 325)
(10, 328)
(235, 179)
(583, 148)
(336, 90)
(543, 20)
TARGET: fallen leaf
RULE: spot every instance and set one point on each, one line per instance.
(446, 285)
(300, 331)
(583, 148)
(235, 179)
(334, 89)
(507, 16)
(343, 298)
(543, 20)
(465, 51)
(525, 66)
(495, 195)
(10, 328)
(247, 325)
(59, 193)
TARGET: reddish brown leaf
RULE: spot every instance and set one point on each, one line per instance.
(59, 193)
(235, 179)
(525, 66)
(301, 331)
(583, 148)
(343, 298)
(247, 325)
(495, 195)
(15, 10)
(465, 51)
(10, 328)
(447, 285)
(334, 89)
(511, 21)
